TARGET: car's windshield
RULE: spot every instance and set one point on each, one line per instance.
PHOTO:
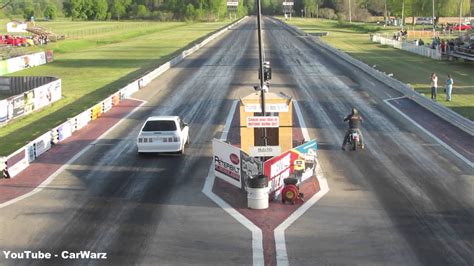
(160, 126)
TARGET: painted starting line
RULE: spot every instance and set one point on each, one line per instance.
(279, 232)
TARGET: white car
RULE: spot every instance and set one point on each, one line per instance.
(163, 134)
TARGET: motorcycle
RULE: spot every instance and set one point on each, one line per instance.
(354, 140)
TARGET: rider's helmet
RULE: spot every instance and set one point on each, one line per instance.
(354, 111)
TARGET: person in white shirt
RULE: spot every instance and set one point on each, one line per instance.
(434, 86)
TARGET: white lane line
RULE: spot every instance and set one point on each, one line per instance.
(228, 121)
(460, 156)
(46, 182)
(396, 98)
(257, 239)
(301, 121)
(280, 242)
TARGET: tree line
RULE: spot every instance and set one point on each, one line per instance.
(211, 10)
(363, 9)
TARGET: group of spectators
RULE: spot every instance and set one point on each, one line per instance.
(401, 35)
(40, 39)
(448, 89)
(464, 44)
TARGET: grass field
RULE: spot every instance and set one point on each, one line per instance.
(406, 67)
(97, 59)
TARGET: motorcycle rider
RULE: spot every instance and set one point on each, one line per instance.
(354, 124)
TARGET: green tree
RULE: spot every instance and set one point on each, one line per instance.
(28, 9)
(50, 12)
(28, 12)
(142, 11)
(118, 8)
(190, 13)
(99, 10)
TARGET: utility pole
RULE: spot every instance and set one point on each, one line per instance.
(460, 14)
(403, 15)
(350, 12)
(385, 13)
(434, 24)
(260, 58)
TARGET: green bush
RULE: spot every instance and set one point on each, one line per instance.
(327, 13)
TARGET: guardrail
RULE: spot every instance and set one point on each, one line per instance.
(19, 160)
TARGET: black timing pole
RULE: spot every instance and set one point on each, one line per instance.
(260, 56)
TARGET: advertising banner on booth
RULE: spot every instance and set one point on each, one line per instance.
(3, 111)
(299, 161)
(307, 154)
(227, 162)
(277, 169)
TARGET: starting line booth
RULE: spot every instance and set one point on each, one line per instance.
(278, 160)
(278, 123)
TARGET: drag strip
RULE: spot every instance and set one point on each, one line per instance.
(404, 200)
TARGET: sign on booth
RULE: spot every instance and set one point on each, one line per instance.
(263, 121)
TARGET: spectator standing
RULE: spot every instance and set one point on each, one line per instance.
(449, 87)
(443, 46)
(434, 86)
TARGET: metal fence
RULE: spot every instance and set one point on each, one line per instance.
(407, 46)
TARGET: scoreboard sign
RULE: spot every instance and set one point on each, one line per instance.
(232, 3)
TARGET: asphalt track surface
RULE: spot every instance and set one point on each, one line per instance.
(405, 200)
